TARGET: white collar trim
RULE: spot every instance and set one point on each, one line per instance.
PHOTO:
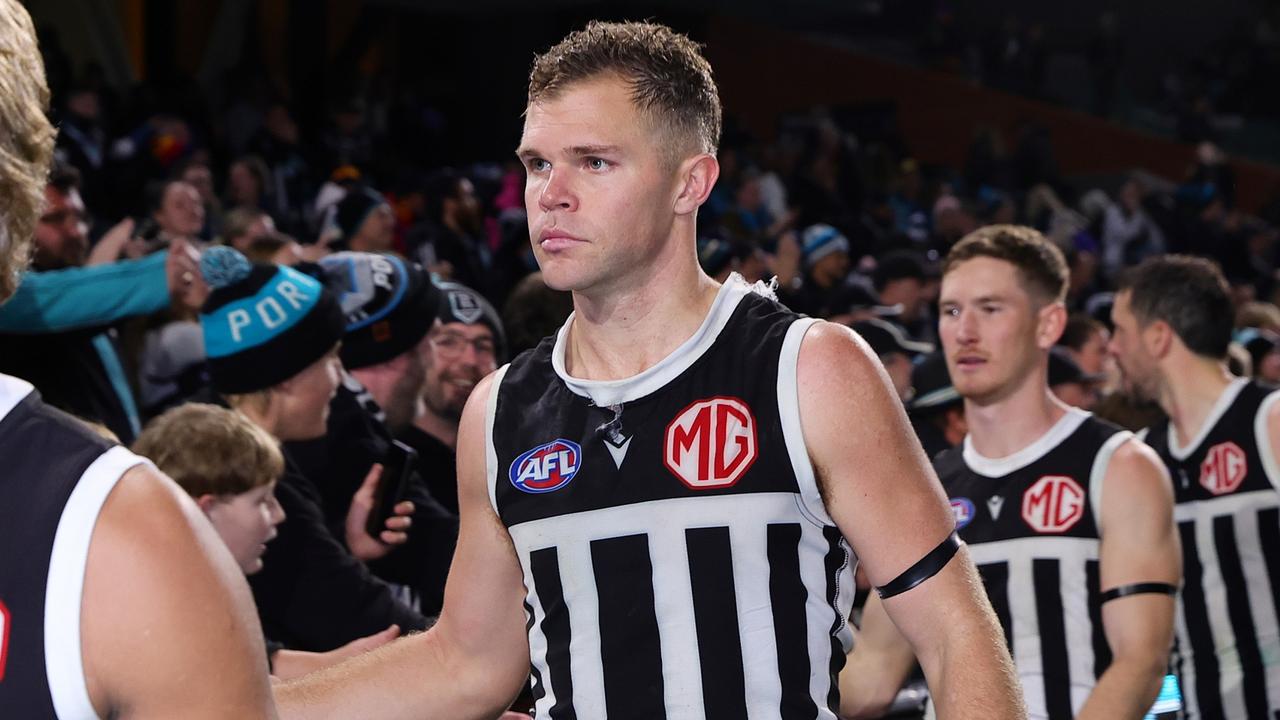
(999, 467)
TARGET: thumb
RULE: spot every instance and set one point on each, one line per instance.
(370, 484)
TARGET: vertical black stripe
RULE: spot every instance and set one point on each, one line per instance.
(1269, 537)
(787, 596)
(1236, 585)
(1196, 618)
(630, 652)
(835, 561)
(995, 578)
(1047, 581)
(1101, 649)
(538, 690)
(724, 693)
(544, 565)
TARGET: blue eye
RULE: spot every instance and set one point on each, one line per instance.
(597, 163)
(538, 164)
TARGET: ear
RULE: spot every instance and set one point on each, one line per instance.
(1158, 337)
(696, 177)
(1052, 321)
(206, 502)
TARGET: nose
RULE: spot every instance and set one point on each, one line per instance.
(556, 193)
(966, 328)
(276, 511)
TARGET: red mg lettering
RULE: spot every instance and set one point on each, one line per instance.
(711, 443)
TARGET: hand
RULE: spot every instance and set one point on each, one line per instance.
(112, 243)
(363, 545)
(187, 288)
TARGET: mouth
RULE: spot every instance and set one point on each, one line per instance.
(969, 362)
(554, 241)
(462, 384)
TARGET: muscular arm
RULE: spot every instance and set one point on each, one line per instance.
(168, 626)
(880, 491)
(1139, 545)
(475, 659)
(880, 663)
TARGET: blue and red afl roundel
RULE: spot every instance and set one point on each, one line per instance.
(963, 510)
(547, 467)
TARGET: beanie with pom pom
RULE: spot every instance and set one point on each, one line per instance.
(263, 324)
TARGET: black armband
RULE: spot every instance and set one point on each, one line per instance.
(925, 568)
(1139, 589)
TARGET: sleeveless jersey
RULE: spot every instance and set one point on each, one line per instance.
(678, 560)
(1227, 487)
(1031, 523)
(56, 476)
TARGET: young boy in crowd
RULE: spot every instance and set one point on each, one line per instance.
(230, 466)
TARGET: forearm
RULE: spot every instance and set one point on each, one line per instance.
(972, 676)
(1126, 690)
(74, 298)
(416, 678)
(866, 691)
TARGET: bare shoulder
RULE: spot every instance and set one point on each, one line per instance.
(836, 353)
(163, 603)
(1136, 468)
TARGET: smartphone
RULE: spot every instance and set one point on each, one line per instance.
(397, 465)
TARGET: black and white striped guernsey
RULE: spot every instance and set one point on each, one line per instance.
(1227, 487)
(56, 475)
(1031, 523)
(679, 561)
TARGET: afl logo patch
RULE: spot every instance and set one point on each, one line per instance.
(547, 467)
(962, 508)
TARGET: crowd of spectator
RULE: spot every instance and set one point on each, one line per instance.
(342, 295)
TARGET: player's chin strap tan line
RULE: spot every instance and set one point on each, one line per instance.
(925, 568)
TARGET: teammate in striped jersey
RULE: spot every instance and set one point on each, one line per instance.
(117, 599)
(1220, 442)
(675, 554)
(1068, 518)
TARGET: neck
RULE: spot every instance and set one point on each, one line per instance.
(1003, 427)
(1190, 387)
(622, 331)
(263, 417)
(437, 426)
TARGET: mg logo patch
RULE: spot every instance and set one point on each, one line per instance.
(547, 467)
(1223, 469)
(4, 637)
(1054, 504)
(711, 443)
(963, 510)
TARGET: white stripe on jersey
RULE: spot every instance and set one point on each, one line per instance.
(747, 516)
(1261, 606)
(749, 545)
(1071, 554)
(68, 561)
(1230, 674)
(1262, 436)
(491, 452)
(681, 674)
(538, 645)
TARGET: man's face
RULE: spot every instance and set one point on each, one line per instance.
(377, 232)
(1138, 369)
(830, 269)
(247, 522)
(598, 192)
(181, 212)
(455, 356)
(989, 328)
(62, 235)
(909, 291)
(1092, 355)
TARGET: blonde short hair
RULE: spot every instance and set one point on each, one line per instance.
(26, 141)
(210, 450)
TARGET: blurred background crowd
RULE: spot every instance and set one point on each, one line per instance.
(862, 139)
